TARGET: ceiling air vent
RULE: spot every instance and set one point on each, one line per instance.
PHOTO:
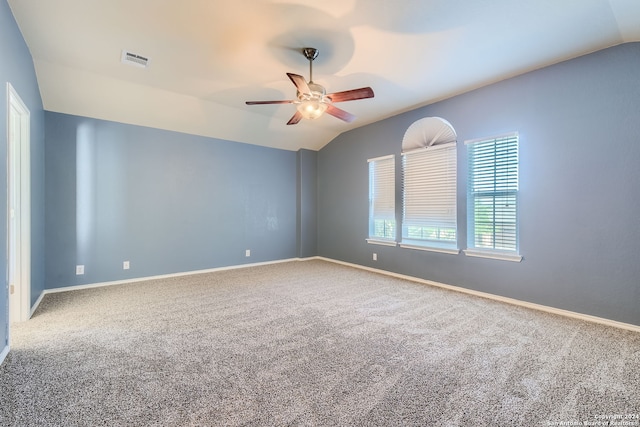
(134, 59)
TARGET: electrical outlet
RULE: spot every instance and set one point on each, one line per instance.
(79, 269)
(247, 253)
(375, 257)
(125, 265)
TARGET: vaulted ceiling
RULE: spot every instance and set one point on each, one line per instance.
(207, 57)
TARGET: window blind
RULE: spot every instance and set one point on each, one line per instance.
(382, 199)
(429, 196)
(493, 193)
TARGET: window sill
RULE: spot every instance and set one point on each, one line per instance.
(382, 242)
(493, 255)
(431, 248)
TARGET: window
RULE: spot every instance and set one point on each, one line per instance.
(429, 219)
(492, 197)
(382, 200)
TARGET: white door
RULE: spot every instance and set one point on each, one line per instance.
(19, 209)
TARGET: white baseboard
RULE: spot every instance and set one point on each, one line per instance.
(37, 303)
(163, 276)
(513, 301)
(3, 355)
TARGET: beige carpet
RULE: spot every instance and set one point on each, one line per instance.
(309, 343)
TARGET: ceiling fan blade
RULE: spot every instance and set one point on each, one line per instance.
(351, 95)
(300, 82)
(341, 114)
(268, 102)
(295, 119)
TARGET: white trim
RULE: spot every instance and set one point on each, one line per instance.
(37, 303)
(493, 255)
(3, 355)
(24, 206)
(164, 276)
(491, 138)
(375, 159)
(430, 248)
(382, 242)
(512, 301)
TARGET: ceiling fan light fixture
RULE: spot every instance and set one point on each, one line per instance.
(313, 104)
(311, 108)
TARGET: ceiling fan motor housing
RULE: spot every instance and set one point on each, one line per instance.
(316, 91)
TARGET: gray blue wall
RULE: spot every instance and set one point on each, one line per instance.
(165, 201)
(579, 125)
(16, 67)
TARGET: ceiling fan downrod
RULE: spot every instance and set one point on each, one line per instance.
(310, 53)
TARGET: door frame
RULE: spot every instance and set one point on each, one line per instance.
(18, 187)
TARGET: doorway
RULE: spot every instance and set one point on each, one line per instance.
(18, 208)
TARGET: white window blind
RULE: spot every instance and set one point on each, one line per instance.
(493, 194)
(382, 198)
(429, 196)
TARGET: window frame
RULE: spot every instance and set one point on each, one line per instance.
(445, 166)
(505, 174)
(387, 166)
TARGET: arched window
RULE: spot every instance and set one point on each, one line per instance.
(429, 169)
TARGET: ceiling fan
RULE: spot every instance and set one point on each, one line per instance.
(312, 99)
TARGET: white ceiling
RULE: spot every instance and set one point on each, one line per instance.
(209, 56)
